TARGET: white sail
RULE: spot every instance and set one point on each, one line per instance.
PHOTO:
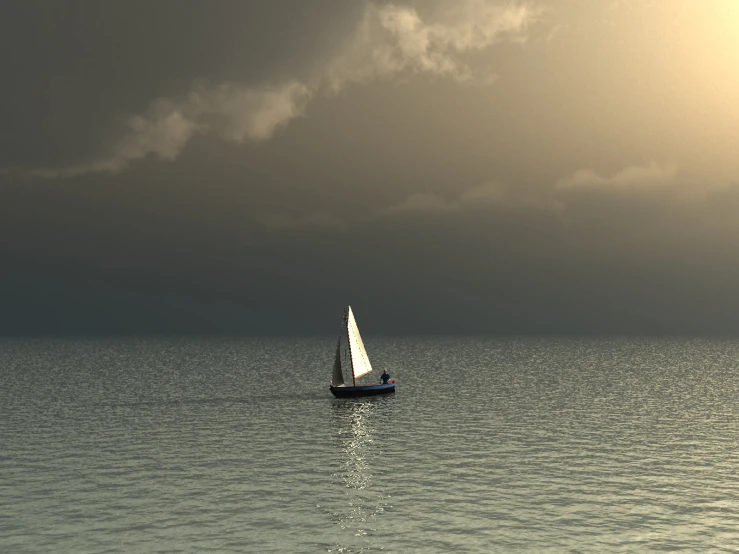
(360, 362)
(338, 378)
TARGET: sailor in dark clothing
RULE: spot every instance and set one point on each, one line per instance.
(384, 377)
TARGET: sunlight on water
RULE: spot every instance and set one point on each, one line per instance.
(512, 445)
(354, 421)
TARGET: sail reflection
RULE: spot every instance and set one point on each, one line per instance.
(356, 423)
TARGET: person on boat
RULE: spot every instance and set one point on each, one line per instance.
(384, 377)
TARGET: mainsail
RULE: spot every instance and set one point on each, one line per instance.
(360, 362)
(338, 377)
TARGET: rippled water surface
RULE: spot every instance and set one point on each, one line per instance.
(507, 445)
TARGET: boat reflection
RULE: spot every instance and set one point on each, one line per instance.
(358, 458)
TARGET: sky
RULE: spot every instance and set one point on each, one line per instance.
(468, 167)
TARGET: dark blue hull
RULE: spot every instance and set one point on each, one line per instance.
(362, 390)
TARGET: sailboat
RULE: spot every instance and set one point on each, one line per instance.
(360, 364)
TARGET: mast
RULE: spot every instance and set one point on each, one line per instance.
(351, 357)
(337, 378)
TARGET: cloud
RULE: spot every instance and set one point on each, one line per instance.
(487, 195)
(632, 177)
(230, 112)
(249, 114)
(511, 198)
(392, 39)
(554, 200)
(422, 202)
(316, 219)
(389, 39)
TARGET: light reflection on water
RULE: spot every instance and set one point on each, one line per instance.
(355, 423)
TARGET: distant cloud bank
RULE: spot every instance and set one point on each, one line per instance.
(635, 176)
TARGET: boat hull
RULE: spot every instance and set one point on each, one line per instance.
(362, 390)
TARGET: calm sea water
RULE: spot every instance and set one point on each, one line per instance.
(504, 445)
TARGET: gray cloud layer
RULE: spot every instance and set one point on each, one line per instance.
(302, 155)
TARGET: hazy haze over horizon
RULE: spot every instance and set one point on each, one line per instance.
(553, 166)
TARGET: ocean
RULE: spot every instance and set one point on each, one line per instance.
(489, 445)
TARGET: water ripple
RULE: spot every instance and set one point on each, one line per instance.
(513, 445)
